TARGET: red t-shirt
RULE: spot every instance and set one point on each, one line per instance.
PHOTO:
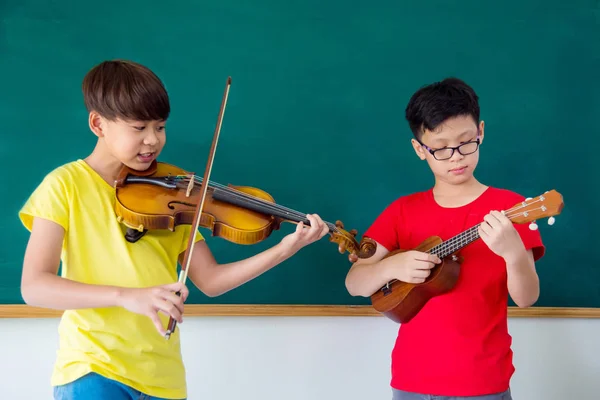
(458, 344)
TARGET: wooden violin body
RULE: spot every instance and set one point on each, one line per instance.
(401, 301)
(165, 196)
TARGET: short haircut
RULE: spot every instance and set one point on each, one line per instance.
(433, 104)
(121, 89)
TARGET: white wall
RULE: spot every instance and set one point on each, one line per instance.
(345, 358)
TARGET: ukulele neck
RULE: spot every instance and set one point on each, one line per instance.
(456, 243)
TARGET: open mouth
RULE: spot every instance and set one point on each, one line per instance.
(146, 156)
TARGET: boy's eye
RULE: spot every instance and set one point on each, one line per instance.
(139, 128)
(160, 128)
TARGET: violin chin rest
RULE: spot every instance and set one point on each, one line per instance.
(133, 235)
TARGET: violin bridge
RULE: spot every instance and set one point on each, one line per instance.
(190, 186)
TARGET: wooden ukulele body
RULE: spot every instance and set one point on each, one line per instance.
(401, 301)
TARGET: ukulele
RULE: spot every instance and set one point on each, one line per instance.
(401, 301)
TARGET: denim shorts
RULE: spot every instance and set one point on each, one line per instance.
(401, 395)
(96, 387)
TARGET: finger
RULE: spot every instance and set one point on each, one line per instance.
(174, 299)
(314, 224)
(169, 309)
(185, 293)
(299, 227)
(485, 228)
(174, 287)
(316, 227)
(157, 323)
(324, 230)
(421, 273)
(423, 265)
(492, 221)
(503, 219)
(420, 256)
(482, 233)
(318, 220)
(182, 289)
(321, 228)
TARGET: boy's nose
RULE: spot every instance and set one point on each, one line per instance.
(456, 156)
(151, 139)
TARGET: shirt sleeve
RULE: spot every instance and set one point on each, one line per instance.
(384, 229)
(186, 237)
(50, 200)
(532, 239)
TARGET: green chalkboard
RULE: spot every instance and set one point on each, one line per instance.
(316, 113)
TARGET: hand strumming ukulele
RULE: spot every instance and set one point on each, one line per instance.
(401, 301)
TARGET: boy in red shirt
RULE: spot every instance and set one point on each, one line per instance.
(458, 345)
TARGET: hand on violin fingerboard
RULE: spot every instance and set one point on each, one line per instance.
(305, 235)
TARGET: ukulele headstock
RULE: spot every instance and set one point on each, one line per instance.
(347, 242)
(546, 205)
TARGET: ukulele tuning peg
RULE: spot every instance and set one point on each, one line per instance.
(551, 221)
(533, 226)
(529, 198)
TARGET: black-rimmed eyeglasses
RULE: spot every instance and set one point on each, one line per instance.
(447, 152)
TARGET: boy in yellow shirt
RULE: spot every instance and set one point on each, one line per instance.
(117, 295)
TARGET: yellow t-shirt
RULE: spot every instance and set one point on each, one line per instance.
(112, 341)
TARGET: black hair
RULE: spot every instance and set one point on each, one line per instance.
(126, 90)
(432, 104)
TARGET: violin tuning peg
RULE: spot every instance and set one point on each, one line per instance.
(339, 224)
(551, 221)
(353, 232)
(533, 226)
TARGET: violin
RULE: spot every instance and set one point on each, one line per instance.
(165, 196)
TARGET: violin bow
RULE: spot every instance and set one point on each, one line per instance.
(204, 186)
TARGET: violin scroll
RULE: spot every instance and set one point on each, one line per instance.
(347, 242)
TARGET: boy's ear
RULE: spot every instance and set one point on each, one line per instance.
(481, 126)
(419, 150)
(96, 123)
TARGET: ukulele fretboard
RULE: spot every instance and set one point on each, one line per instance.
(456, 243)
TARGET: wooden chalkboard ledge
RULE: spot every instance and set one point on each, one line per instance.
(242, 310)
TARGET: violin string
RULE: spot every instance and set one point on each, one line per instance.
(267, 205)
(260, 200)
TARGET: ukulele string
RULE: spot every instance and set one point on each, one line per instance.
(455, 243)
(266, 205)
